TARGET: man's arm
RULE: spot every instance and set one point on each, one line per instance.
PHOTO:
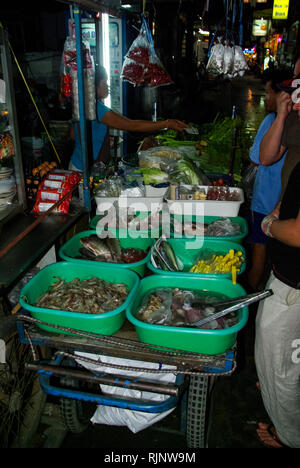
(120, 122)
(287, 231)
(271, 149)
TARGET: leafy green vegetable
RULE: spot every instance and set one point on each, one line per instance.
(153, 176)
(186, 172)
(215, 157)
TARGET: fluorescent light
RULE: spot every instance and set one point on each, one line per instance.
(106, 58)
(126, 5)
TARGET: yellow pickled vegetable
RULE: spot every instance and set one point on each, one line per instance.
(221, 264)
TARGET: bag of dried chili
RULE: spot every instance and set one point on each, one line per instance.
(141, 65)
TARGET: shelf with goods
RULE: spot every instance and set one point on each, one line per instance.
(12, 186)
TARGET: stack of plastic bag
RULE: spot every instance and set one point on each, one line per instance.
(142, 66)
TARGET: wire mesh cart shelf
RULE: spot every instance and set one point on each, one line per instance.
(63, 375)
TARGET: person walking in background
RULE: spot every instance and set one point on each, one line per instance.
(267, 186)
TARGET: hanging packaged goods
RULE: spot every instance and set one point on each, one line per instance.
(141, 66)
(227, 61)
(69, 78)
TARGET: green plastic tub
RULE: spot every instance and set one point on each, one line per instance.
(71, 249)
(208, 220)
(104, 324)
(204, 341)
(153, 233)
(188, 249)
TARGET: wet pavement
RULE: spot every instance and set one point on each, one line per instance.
(235, 405)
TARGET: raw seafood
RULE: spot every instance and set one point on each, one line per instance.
(131, 255)
(108, 250)
(180, 308)
(96, 246)
(163, 256)
(90, 296)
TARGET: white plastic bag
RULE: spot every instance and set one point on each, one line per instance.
(69, 78)
(89, 92)
(113, 416)
(228, 61)
(239, 61)
(216, 60)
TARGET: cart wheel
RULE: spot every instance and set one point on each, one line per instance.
(21, 397)
(196, 411)
(76, 414)
(72, 413)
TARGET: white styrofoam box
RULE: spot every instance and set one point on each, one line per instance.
(154, 191)
(207, 207)
(134, 204)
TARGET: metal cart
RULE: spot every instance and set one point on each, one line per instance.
(61, 375)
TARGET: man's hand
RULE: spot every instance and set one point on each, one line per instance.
(176, 125)
(284, 104)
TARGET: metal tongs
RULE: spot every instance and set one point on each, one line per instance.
(238, 303)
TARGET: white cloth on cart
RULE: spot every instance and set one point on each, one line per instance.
(114, 416)
(277, 358)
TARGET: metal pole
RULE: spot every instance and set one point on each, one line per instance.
(107, 379)
(81, 98)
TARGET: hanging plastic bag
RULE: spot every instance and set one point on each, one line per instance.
(228, 61)
(239, 62)
(133, 72)
(89, 93)
(215, 64)
(156, 74)
(137, 58)
(69, 77)
(140, 48)
(141, 66)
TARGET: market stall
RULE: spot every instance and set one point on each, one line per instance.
(153, 287)
(21, 244)
(27, 237)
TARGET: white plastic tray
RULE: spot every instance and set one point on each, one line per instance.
(206, 207)
(153, 204)
(155, 192)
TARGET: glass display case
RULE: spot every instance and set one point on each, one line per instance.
(12, 186)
